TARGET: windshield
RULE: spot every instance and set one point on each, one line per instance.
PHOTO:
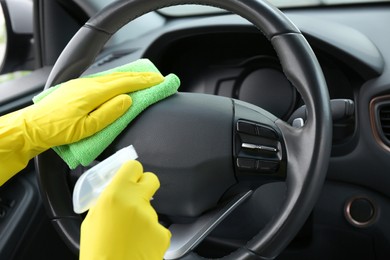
(184, 10)
(196, 9)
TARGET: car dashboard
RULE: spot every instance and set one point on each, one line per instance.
(225, 55)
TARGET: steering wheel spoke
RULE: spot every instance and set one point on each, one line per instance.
(185, 237)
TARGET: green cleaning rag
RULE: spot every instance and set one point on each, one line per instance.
(85, 151)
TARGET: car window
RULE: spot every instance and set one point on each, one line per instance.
(2, 36)
(3, 45)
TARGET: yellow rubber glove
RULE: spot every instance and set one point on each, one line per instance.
(78, 109)
(123, 225)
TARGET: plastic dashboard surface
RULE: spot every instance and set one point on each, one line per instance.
(225, 55)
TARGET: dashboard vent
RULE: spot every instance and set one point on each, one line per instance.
(384, 119)
(380, 120)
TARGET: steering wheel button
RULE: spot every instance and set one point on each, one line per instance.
(261, 148)
(267, 166)
(266, 132)
(246, 163)
(246, 128)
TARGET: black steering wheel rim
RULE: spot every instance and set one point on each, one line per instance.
(299, 65)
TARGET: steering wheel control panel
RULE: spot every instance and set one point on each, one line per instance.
(257, 149)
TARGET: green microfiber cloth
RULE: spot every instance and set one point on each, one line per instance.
(86, 150)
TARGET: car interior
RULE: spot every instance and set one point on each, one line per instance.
(277, 145)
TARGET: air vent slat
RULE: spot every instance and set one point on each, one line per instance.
(384, 119)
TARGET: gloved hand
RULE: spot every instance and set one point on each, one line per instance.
(78, 109)
(123, 225)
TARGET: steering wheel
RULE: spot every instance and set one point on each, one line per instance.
(208, 151)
